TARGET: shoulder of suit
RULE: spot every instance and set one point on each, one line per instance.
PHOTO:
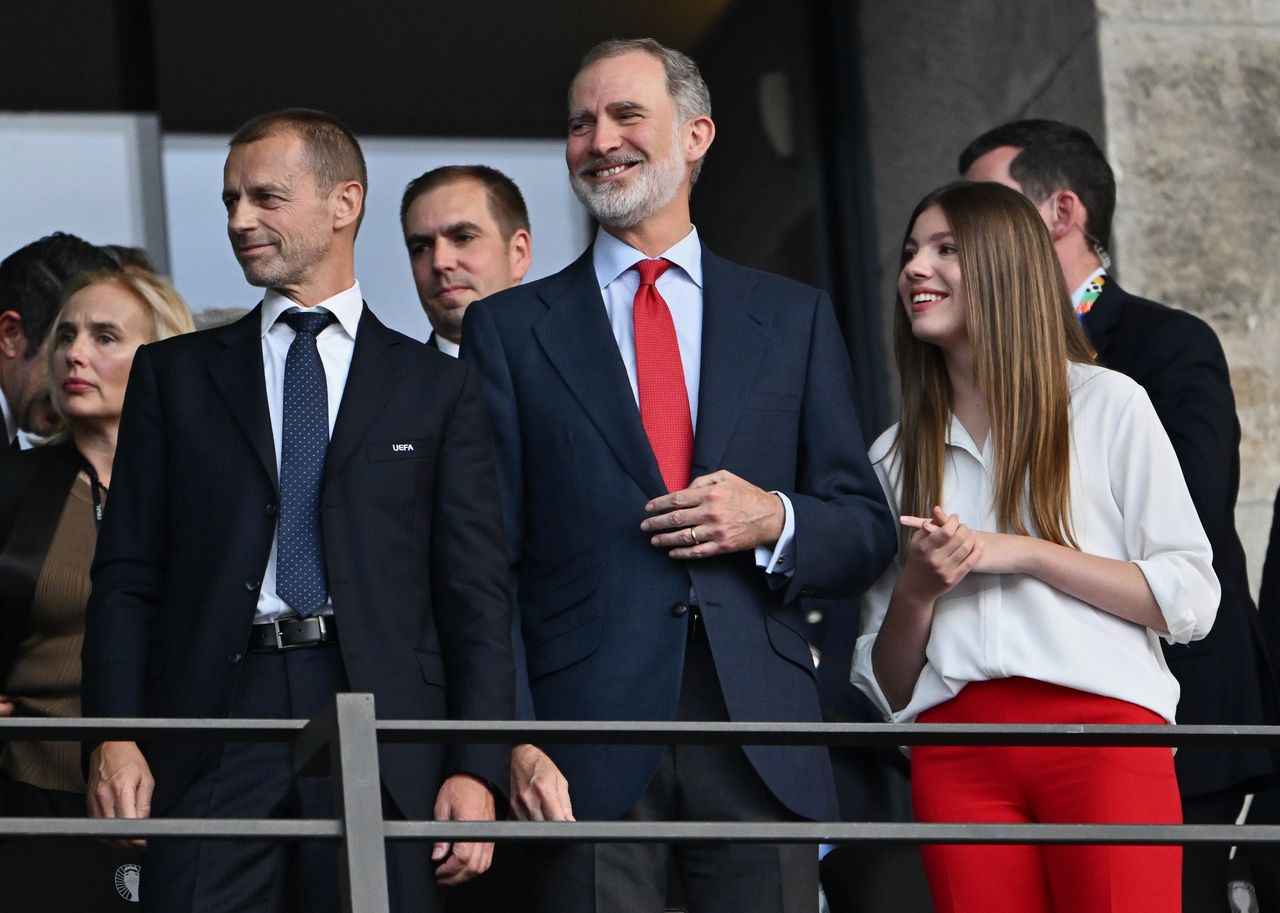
(1154, 317)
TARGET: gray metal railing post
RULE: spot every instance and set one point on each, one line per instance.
(347, 728)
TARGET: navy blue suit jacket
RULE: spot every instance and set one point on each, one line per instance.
(595, 598)
(1226, 677)
(412, 538)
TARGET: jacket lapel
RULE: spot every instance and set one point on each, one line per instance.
(735, 333)
(577, 339)
(236, 369)
(374, 370)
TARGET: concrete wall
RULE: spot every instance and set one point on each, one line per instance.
(938, 73)
(1192, 91)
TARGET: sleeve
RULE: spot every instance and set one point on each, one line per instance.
(844, 532)
(128, 565)
(1162, 532)
(482, 347)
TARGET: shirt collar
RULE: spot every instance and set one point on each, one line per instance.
(10, 423)
(346, 306)
(1078, 295)
(612, 257)
(446, 346)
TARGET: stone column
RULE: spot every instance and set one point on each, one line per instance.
(1192, 107)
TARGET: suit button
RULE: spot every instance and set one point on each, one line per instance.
(251, 585)
(679, 610)
(269, 510)
(234, 658)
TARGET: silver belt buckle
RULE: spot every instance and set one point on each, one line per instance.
(275, 625)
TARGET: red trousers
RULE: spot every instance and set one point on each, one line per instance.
(1046, 785)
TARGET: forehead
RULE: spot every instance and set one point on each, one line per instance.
(104, 302)
(994, 166)
(932, 221)
(464, 200)
(277, 158)
(634, 76)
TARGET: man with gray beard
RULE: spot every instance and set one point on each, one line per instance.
(680, 463)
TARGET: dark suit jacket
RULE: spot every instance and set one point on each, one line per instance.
(596, 599)
(1225, 677)
(33, 493)
(412, 538)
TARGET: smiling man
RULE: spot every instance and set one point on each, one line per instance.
(276, 535)
(467, 231)
(681, 461)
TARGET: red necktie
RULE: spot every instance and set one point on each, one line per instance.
(664, 399)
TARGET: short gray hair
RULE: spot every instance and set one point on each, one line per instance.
(685, 84)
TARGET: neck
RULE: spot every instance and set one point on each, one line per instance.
(97, 444)
(334, 275)
(1079, 260)
(660, 231)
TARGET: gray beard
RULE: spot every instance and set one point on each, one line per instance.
(619, 206)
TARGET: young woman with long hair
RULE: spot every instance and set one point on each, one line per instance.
(1048, 540)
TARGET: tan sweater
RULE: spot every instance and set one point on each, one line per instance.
(45, 679)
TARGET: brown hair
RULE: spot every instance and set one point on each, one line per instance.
(506, 203)
(1024, 332)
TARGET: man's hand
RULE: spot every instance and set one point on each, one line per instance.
(120, 783)
(462, 797)
(6, 705)
(717, 514)
(539, 792)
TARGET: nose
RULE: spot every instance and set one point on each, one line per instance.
(605, 137)
(916, 266)
(75, 354)
(240, 217)
(444, 256)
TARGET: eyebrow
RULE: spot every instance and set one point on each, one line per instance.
(96, 326)
(615, 108)
(451, 229)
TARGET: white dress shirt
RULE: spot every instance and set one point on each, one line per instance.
(1128, 501)
(336, 343)
(681, 288)
(445, 346)
(10, 423)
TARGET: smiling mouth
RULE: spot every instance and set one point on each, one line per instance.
(604, 170)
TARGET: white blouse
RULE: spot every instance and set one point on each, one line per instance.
(1128, 501)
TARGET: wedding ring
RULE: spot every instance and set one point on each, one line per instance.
(693, 536)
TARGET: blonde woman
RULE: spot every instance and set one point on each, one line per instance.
(1047, 541)
(51, 499)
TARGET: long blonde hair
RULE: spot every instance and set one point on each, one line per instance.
(1023, 331)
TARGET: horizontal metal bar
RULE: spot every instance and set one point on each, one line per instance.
(647, 831)
(644, 732)
(203, 828)
(882, 832)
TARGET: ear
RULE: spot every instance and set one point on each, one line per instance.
(348, 200)
(13, 341)
(698, 135)
(1063, 212)
(520, 253)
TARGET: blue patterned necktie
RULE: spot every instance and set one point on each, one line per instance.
(301, 580)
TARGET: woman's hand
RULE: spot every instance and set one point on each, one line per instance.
(940, 553)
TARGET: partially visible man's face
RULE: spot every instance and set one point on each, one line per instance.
(27, 391)
(994, 166)
(280, 226)
(623, 151)
(458, 254)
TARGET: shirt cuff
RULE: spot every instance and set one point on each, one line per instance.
(781, 559)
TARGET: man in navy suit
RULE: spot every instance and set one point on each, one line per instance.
(304, 502)
(1178, 360)
(680, 462)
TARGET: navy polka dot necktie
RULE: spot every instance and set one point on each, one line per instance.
(301, 580)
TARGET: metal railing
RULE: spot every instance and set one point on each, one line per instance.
(343, 742)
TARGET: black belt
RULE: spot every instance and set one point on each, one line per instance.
(292, 633)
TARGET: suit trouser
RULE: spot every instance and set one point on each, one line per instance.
(1063, 785)
(693, 782)
(256, 780)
